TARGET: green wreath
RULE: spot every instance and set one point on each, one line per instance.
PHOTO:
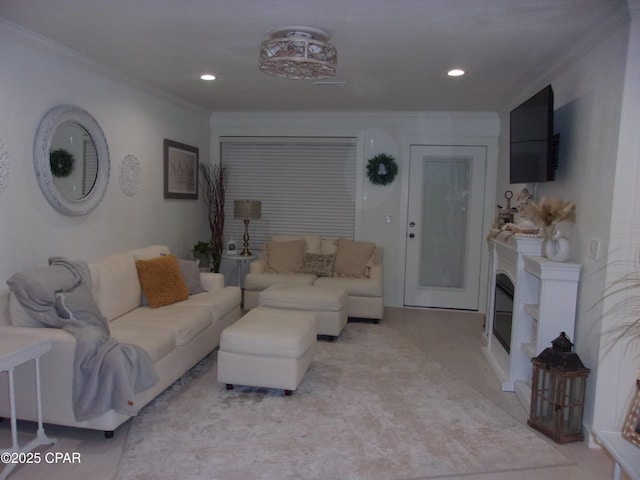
(61, 163)
(382, 169)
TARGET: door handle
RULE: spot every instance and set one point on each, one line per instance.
(411, 235)
(412, 224)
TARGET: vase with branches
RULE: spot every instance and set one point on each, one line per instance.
(213, 185)
(548, 212)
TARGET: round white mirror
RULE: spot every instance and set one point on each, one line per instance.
(71, 159)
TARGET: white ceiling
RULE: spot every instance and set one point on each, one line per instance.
(393, 55)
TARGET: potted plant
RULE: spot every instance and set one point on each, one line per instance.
(213, 184)
(202, 253)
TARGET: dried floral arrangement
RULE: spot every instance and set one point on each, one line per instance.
(549, 211)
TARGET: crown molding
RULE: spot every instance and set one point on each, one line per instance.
(43, 44)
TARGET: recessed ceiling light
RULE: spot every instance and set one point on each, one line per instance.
(456, 72)
(208, 77)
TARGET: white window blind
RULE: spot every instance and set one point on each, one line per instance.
(306, 185)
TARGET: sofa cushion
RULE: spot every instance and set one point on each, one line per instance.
(318, 264)
(352, 257)
(304, 297)
(260, 281)
(329, 246)
(285, 257)
(116, 287)
(220, 302)
(152, 251)
(312, 241)
(185, 321)
(358, 287)
(157, 342)
(161, 281)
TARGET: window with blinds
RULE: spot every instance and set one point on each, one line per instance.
(306, 185)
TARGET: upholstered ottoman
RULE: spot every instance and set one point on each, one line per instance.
(267, 348)
(329, 304)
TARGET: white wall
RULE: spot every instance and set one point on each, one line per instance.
(588, 110)
(618, 365)
(378, 132)
(37, 76)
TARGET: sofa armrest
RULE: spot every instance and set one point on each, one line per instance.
(375, 272)
(212, 281)
(56, 377)
(55, 334)
(258, 266)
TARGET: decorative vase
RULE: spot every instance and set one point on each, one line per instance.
(547, 232)
(556, 248)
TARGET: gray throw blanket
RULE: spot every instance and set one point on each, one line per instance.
(106, 374)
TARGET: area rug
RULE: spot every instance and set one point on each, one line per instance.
(371, 406)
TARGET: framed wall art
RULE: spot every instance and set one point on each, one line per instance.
(180, 170)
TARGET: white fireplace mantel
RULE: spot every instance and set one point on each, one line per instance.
(544, 304)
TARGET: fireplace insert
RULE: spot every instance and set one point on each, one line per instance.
(503, 310)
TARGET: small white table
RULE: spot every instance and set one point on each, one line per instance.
(14, 351)
(234, 267)
(625, 454)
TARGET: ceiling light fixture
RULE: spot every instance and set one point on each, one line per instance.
(299, 53)
(456, 72)
(207, 76)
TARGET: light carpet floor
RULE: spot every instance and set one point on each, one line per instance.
(371, 406)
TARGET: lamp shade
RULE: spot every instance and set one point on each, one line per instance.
(247, 209)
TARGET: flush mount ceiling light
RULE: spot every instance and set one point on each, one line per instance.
(456, 72)
(300, 53)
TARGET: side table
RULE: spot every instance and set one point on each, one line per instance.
(624, 453)
(234, 267)
(14, 351)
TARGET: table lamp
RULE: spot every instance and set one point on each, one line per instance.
(247, 210)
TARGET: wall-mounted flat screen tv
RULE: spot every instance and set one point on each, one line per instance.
(533, 146)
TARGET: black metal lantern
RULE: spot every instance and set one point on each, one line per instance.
(558, 389)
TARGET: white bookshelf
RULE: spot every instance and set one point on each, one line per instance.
(544, 304)
(550, 308)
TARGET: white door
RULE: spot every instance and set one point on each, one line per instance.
(444, 231)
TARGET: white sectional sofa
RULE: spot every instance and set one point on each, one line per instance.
(175, 336)
(355, 266)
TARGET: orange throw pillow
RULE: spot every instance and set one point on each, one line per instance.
(161, 281)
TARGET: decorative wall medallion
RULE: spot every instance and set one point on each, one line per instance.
(130, 172)
(5, 169)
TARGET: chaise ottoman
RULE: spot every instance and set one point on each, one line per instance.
(329, 304)
(267, 348)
